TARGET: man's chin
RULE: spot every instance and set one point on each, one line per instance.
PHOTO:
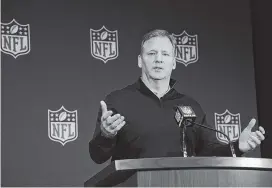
(158, 77)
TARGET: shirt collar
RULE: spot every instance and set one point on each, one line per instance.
(144, 89)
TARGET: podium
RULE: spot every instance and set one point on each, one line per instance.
(185, 172)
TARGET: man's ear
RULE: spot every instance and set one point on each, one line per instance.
(175, 64)
(139, 61)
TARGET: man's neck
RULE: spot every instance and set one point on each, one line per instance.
(158, 87)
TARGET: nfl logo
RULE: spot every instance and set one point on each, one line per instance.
(15, 38)
(187, 48)
(229, 124)
(62, 125)
(104, 44)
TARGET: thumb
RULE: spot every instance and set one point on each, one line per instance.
(251, 124)
(103, 107)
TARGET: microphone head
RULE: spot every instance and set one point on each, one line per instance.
(185, 115)
(178, 116)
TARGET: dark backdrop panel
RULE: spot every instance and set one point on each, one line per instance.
(262, 39)
(60, 71)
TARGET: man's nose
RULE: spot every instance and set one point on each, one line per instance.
(159, 58)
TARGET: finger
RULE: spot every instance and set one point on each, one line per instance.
(251, 144)
(251, 123)
(255, 139)
(107, 131)
(117, 122)
(120, 126)
(111, 119)
(260, 135)
(253, 134)
(116, 128)
(106, 115)
(262, 130)
(103, 107)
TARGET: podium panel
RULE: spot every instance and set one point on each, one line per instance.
(186, 172)
(204, 177)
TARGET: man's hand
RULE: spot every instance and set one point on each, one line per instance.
(110, 125)
(250, 140)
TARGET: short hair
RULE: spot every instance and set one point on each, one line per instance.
(158, 33)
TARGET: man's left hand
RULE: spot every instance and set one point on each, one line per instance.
(250, 140)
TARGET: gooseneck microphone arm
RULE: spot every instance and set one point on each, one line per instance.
(230, 143)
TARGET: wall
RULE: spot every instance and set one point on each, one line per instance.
(58, 68)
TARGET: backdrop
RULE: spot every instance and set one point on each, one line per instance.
(60, 58)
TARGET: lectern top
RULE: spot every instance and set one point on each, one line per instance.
(192, 162)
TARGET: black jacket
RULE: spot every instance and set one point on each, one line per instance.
(151, 130)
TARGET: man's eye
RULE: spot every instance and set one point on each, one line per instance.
(165, 54)
(151, 53)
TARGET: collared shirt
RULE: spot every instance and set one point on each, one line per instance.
(150, 129)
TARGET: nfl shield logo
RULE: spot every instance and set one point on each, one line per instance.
(104, 44)
(229, 124)
(15, 38)
(62, 125)
(187, 48)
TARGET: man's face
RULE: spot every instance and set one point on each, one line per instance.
(157, 59)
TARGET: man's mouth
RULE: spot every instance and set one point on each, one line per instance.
(158, 68)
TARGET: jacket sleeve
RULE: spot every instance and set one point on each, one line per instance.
(100, 147)
(208, 145)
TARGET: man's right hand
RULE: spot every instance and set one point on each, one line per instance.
(110, 125)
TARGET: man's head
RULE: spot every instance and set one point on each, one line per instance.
(157, 58)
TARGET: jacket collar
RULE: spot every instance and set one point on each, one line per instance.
(140, 85)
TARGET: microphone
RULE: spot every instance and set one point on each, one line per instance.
(185, 116)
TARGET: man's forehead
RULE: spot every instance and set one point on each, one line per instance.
(158, 42)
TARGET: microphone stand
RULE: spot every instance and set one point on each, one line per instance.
(184, 147)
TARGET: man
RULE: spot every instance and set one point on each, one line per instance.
(138, 120)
